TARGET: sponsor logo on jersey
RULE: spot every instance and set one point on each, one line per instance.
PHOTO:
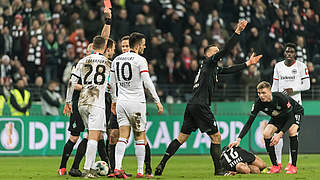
(275, 113)
(266, 109)
(294, 71)
(287, 77)
(278, 107)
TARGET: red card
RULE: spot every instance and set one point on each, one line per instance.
(107, 3)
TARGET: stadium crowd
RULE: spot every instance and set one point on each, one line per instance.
(41, 39)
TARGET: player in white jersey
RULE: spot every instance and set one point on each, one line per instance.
(130, 72)
(290, 77)
(93, 71)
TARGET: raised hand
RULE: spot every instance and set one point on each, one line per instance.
(108, 13)
(241, 26)
(160, 108)
(253, 59)
(67, 110)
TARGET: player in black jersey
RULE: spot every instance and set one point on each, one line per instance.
(241, 161)
(197, 113)
(285, 115)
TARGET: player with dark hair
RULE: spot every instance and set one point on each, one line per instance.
(290, 77)
(76, 125)
(238, 160)
(284, 112)
(198, 113)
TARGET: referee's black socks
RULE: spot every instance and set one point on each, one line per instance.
(271, 152)
(66, 153)
(294, 149)
(147, 159)
(215, 152)
(112, 157)
(81, 151)
(102, 150)
(171, 150)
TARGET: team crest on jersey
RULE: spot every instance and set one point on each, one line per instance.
(278, 107)
(275, 113)
(266, 109)
(294, 71)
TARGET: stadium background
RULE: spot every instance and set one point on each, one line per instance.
(177, 32)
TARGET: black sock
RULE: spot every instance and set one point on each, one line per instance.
(271, 151)
(66, 153)
(102, 151)
(147, 159)
(215, 151)
(81, 151)
(112, 156)
(171, 150)
(294, 149)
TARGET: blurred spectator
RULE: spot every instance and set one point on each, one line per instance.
(37, 89)
(256, 42)
(51, 100)
(6, 41)
(197, 35)
(92, 25)
(142, 27)
(217, 33)
(19, 37)
(6, 69)
(301, 50)
(245, 11)
(2, 100)
(214, 16)
(80, 43)
(34, 58)
(51, 49)
(20, 99)
(186, 57)
(250, 77)
(36, 31)
(70, 59)
(260, 20)
(192, 72)
(314, 73)
(267, 73)
(120, 25)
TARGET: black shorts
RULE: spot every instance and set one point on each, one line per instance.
(76, 125)
(280, 122)
(113, 123)
(241, 156)
(199, 116)
(108, 106)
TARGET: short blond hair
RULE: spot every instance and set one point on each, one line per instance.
(263, 84)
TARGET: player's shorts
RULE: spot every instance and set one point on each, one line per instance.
(199, 116)
(108, 102)
(94, 118)
(242, 155)
(279, 123)
(132, 114)
(110, 117)
(76, 124)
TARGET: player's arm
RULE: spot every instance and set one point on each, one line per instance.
(232, 41)
(78, 87)
(113, 90)
(236, 68)
(148, 85)
(107, 26)
(305, 80)
(255, 110)
(275, 83)
(75, 76)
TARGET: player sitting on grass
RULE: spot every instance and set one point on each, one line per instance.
(238, 160)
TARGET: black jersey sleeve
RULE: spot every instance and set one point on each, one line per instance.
(255, 110)
(232, 69)
(284, 103)
(228, 46)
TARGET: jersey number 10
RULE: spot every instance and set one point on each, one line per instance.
(123, 66)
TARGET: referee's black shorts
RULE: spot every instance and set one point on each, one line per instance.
(199, 116)
(292, 118)
(76, 125)
(110, 117)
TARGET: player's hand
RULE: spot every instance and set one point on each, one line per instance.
(288, 91)
(160, 108)
(108, 13)
(113, 108)
(67, 109)
(276, 138)
(235, 143)
(241, 26)
(253, 59)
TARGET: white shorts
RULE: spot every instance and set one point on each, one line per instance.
(94, 118)
(132, 114)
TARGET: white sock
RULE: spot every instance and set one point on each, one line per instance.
(290, 158)
(90, 154)
(140, 154)
(278, 150)
(120, 149)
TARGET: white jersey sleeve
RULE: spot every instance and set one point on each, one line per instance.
(75, 75)
(147, 82)
(275, 83)
(305, 80)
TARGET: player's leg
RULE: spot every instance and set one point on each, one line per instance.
(147, 159)
(113, 139)
(267, 134)
(102, 151)
(259, 163)
(91, 151)
(278, 150)
(81, 151)
(242, 168)
(187, 127)
(120, 149)
(254, 169)
(139, 137)
(293, 132)
(68, 147)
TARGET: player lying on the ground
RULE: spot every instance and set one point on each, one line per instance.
(238, 160)
(285, 115)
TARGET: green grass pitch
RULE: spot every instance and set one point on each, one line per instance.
(178, 167)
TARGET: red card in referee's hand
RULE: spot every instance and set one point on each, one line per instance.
(107, 4)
